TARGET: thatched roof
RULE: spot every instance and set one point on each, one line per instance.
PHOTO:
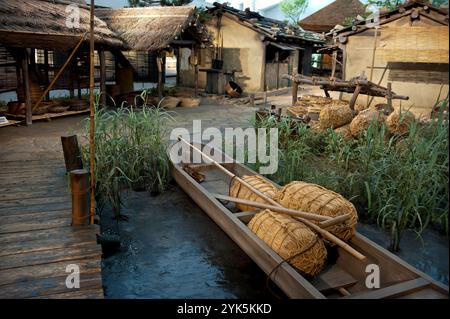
(149, 28)
(333, 14)
(422, 7)
(272, 29)
(42, 24)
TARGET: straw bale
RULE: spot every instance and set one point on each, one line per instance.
(316, 199)
(240, 191)
(292, 240)
(398, 122)
(335, 116)
(362, 121)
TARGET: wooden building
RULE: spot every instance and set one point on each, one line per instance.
(254, 50)
(336, 13)
(151, 33)
(409, 48)
(41, 47)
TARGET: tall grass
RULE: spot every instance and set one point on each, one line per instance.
(399, 182)
(129, 152)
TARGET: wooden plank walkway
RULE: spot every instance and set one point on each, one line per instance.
(37, 242)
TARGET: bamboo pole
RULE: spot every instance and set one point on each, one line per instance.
(311, 225)
(60, 72)
(282, 210)
(91, 115)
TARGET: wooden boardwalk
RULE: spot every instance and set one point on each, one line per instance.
(37, 242)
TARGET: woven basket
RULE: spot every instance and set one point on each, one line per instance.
(189, 102)
(335, 116)
(233, 89)
(58, 109)
(292, 240)
(240, 191)
(398, 122)
(362, 121)
(316, 199)
(170, 102)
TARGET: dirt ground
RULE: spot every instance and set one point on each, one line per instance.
(170, 248)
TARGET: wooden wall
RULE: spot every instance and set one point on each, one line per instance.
(413, 56)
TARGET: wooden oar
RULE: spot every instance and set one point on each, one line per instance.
(311, 225)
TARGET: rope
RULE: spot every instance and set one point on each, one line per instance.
(311, 245)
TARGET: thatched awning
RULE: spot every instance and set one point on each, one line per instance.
(42, 24)
(151, 28)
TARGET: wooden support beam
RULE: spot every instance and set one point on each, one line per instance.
(159, 64)
(101, 54)
(389, 95)
(354, 97)
(294, 88)
(46, 67)
(26, 85)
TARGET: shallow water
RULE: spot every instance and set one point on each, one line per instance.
(172, 249)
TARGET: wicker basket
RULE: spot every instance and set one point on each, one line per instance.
(189, 102)
(240, 191)
(316, 199)
(292, 240)
(170, 102)
(58, 109)
(233, 89)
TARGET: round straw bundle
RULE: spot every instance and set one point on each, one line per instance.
(362, 121)
(292, 240)
(398, 122)
(335, 116)
(344, 131)
(240, 191)
(189, 102)
(170, 102)
(316, 199)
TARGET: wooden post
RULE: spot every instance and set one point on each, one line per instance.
(101, 53)
(333, 64)
(72, 154)
(277, 58)
(47, 81)
(160, 84)
(196, 71)
(389, 96)
(294, 87)
(91, 115)
(79, 184)
(252, 99)
(26, 83)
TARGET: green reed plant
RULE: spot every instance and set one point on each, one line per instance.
(129, 152)
(399, 182)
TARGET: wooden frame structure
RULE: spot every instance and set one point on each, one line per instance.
(357, 86)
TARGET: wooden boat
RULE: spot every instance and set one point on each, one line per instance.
(344, 277)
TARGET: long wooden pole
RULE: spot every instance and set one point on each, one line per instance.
(61, 70)
(91, 115)
(311, 225)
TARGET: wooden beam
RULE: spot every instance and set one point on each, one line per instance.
(47, 82)
(159, 64)
(101, 54)
(26, 84)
